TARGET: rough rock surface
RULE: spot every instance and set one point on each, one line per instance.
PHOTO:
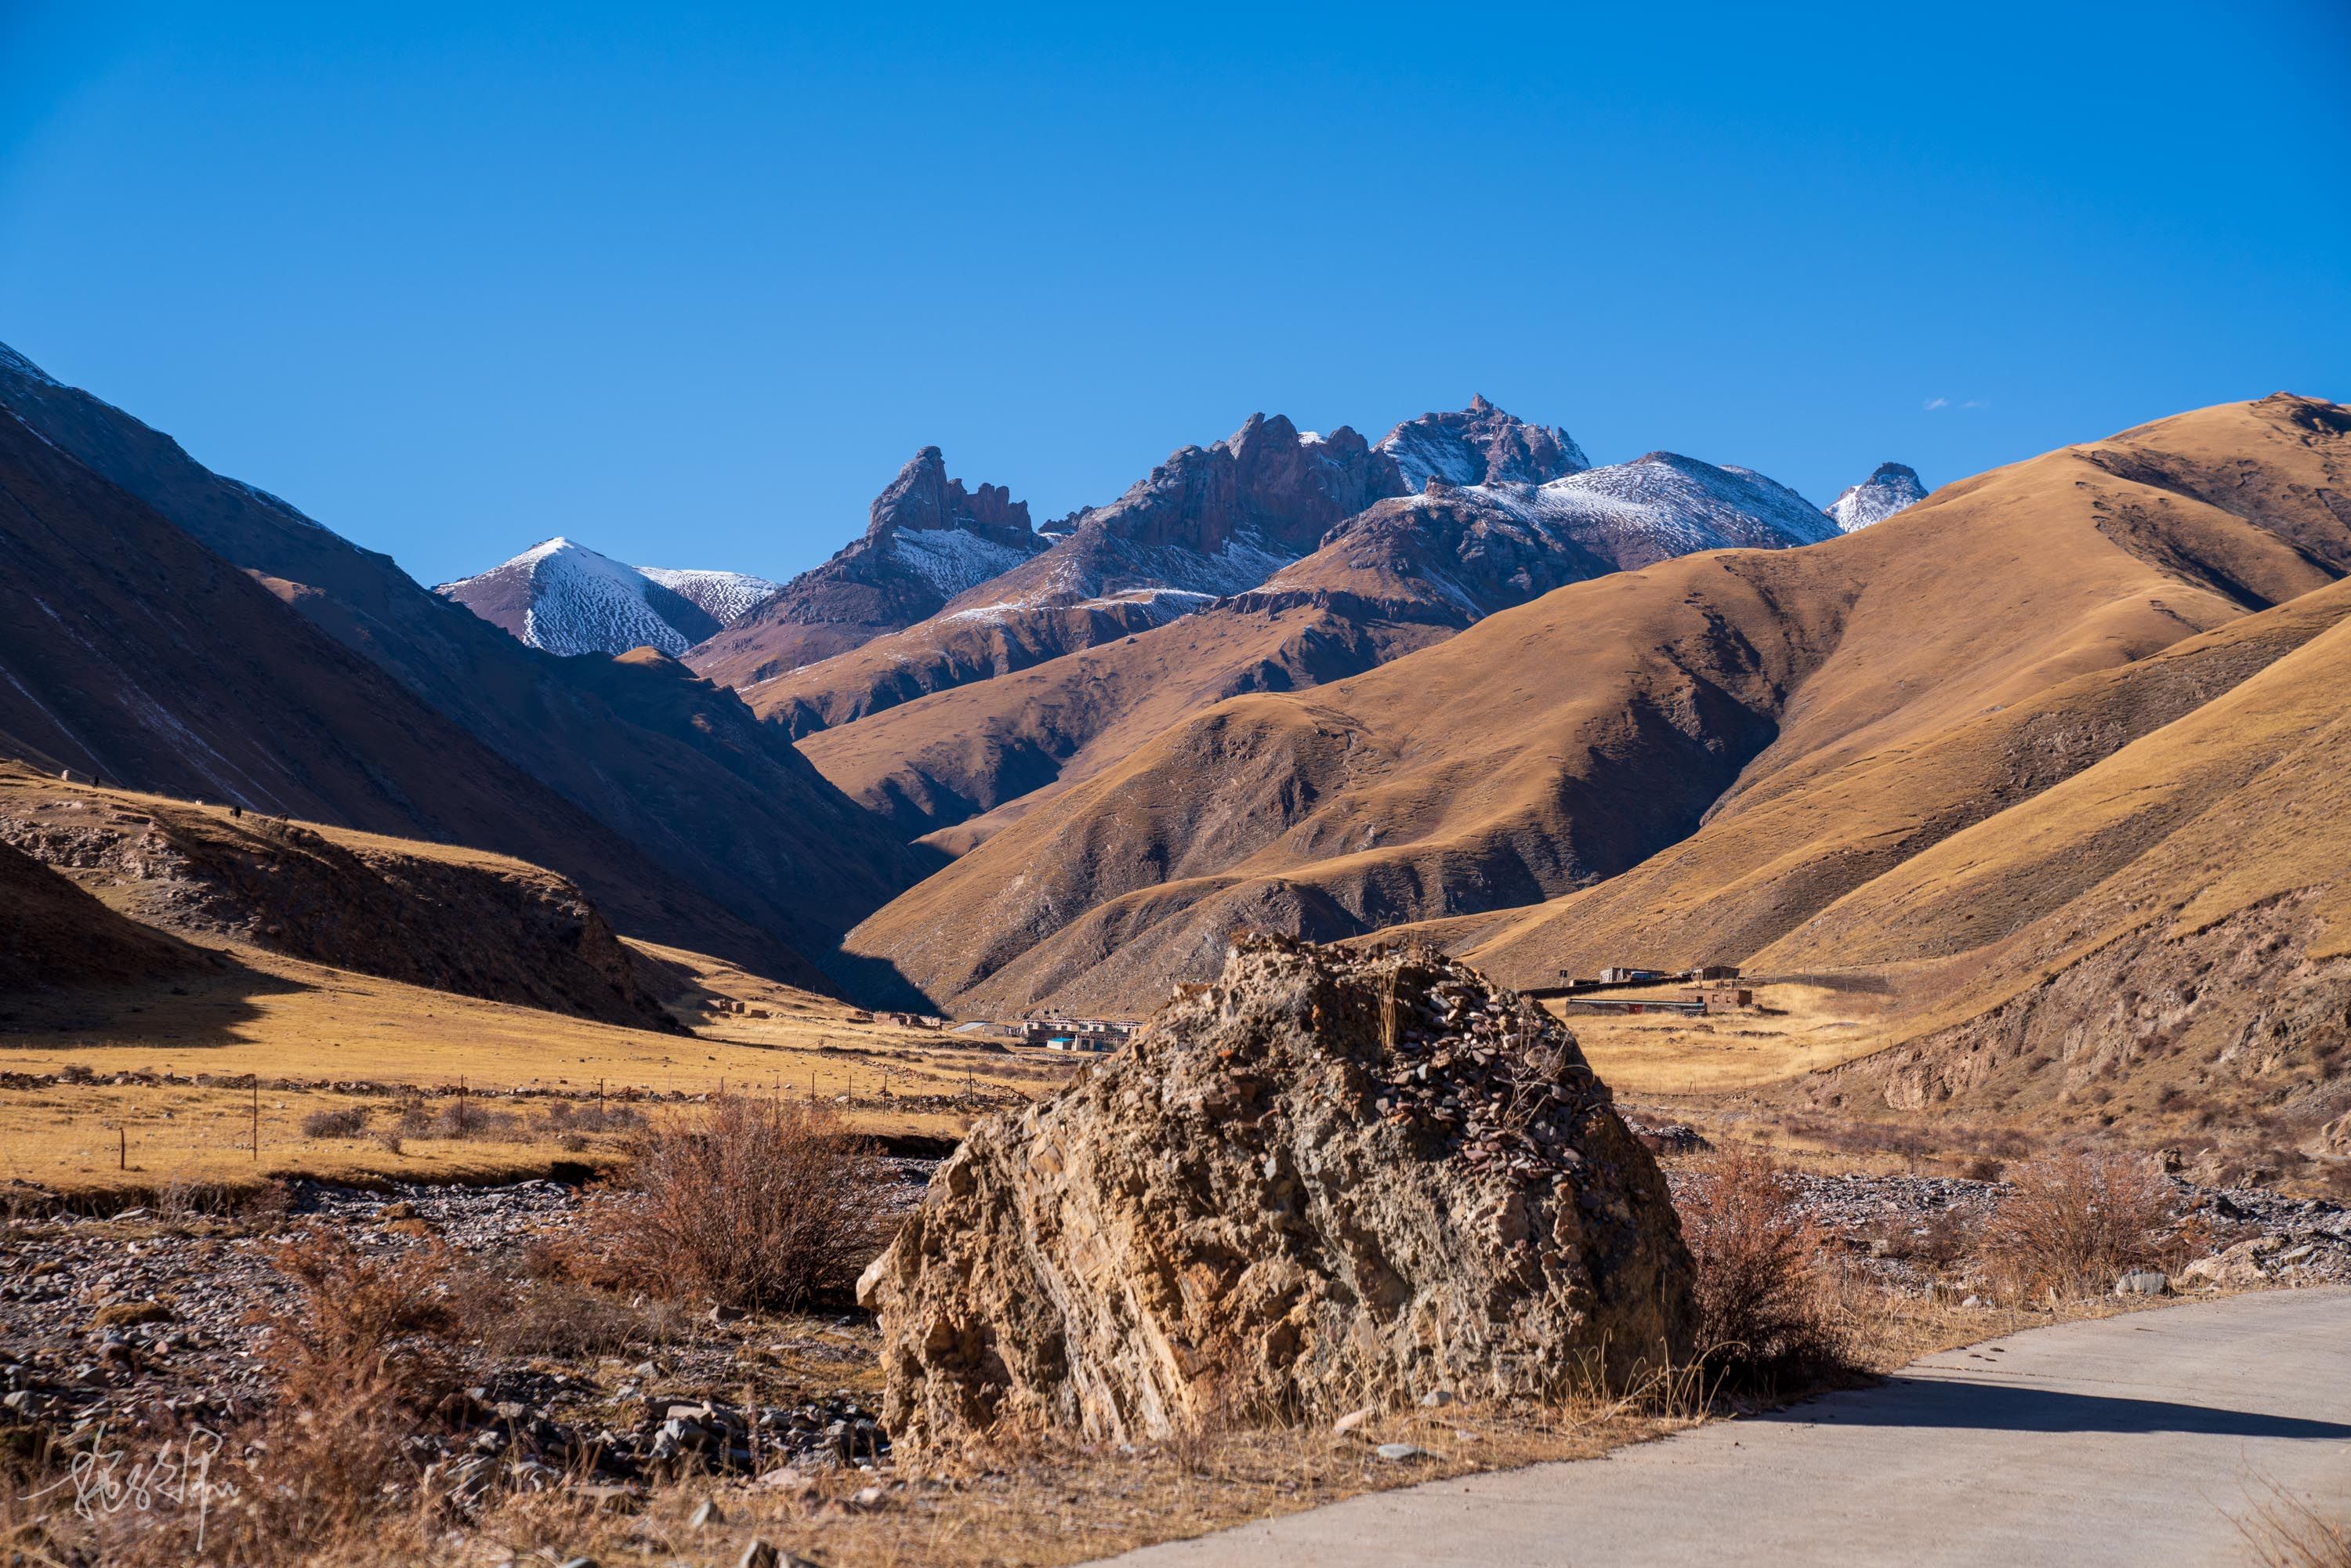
(1330, 1179)
(1480, 444)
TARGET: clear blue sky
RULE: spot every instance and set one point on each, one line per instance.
(689, 284)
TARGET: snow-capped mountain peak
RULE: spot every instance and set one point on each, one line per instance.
(1890, 489)
(565, 598)
(1480, 444)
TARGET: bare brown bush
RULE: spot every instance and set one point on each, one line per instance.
(359, 1322)
(2285, 1531)
(563, 1117)
(1764, 1312)
(2074, 1220)
(556, 1316)
(764, 1204)
(323, 1478)
(458, 1117)
(347, 1122)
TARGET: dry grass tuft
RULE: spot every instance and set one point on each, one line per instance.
(2073, 1221)
(766, 1204)
(1765, 1315)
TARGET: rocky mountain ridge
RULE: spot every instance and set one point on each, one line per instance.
(1207, 523)
(1480, 444)
(927, 538)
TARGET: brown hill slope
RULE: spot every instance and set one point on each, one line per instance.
(53, 935)
(450, 919)
(678, 770)
(2164, 934)
(1763, 864)
(1560, 744)
(955, 756)
(130, 650)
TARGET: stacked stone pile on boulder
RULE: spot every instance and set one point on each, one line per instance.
(1330, 1179)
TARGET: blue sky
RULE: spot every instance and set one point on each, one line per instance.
(689, 284)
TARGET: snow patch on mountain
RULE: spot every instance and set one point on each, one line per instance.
(1661, 506)
(11, 361)
(568, 598)
(724, 596)
(1162, 604)
(1890, 489)
(1480, 444)
(951, 559)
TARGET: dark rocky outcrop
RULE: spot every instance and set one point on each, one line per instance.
(927, 538)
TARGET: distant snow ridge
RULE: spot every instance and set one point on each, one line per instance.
(568, 598)
(724, 596)
(1665, 505)
(1892, 488)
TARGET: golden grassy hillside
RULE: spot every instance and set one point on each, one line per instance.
(303, 1027)
(2163, 940)
(962, 753)
(1553, 747)
(1771, 857)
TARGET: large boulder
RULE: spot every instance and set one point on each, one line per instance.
(1330, 1179)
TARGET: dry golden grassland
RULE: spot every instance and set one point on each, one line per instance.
(1797, 1025)
(286, 1020)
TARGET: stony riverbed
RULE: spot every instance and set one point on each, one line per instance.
(141, 1322)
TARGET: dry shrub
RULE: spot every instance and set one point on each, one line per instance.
(355, 1331)
(456, 1118)
(323, 1479)
(764, 1205)
(349, 1122)
(1764, 1310)
(563, 1117)
(556, 1316)
(2074, 1220)
(2286, 1532)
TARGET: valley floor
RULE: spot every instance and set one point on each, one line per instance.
(111, 1095)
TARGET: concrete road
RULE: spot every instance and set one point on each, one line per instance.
(2127, 1441)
